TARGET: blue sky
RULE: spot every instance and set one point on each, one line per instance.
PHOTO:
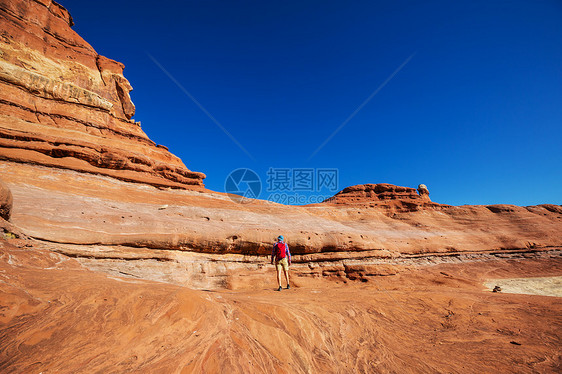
(475, 113)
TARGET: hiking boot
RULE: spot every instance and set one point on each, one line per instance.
(288, 286)
(280, 288)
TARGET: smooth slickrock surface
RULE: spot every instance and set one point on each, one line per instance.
(57, 316)
(547, 286)
(68, 207)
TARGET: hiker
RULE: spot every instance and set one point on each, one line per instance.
(282, 257)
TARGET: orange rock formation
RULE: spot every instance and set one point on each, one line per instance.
(63, 105)
(385, 280)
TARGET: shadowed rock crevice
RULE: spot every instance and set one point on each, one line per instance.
(6, 201)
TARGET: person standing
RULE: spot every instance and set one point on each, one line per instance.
(282, 257)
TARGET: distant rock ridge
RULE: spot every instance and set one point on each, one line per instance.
(63, 105)
(379, 191)
(385, 195)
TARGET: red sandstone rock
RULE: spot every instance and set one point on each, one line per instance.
(423, 191)
(63, 105)
(60, 206)
(385, 196)
(374, 192)
(59, 317)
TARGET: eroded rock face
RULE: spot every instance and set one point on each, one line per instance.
(6, 201)
(63, 105)
(374, 192)
(383, 195)
(64, 110)
(423, 191)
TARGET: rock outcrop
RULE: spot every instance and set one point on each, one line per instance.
(423, 191)
(65, 126)
(63, 105)
(6, 201)
(384, 196)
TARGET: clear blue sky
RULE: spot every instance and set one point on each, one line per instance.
(475, 114)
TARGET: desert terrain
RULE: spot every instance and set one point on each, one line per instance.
(58, 316)
(114, 257)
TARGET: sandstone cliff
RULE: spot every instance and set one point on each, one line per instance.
(6, 201)
(63, 105)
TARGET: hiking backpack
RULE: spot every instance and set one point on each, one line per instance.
(280, 250)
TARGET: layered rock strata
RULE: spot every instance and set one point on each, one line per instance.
(61, 206)
(63, 105)
(381, 282)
